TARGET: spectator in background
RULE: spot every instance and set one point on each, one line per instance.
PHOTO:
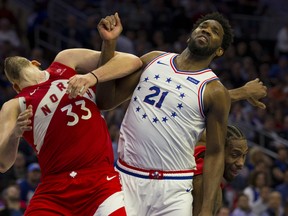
(13, 204)
(37, 53)
(261, 204)
(258, 179)
(16, 173)
(242, 208)
(223, 211)
(8, 33)
(37, 17)
(125, 44)
(29, 184)
(274, 205)
(279, 69)
(6, 12)
(72, 32)
(283, 188)
(284, 132)
(280, 165)
(256, 156)
(282, 41)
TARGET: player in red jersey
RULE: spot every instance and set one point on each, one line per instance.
(67, 131)
(235, 153)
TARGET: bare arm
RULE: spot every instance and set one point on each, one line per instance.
(114, 65)
(251, 91)
(13, 124)
(197, 194)
(217, 104)
(125, 86)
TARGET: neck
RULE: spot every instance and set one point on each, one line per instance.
(188, 61)
(33, 78)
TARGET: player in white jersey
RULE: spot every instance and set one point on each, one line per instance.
(176, 98)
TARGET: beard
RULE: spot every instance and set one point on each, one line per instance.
(200, 51)
(228, 177)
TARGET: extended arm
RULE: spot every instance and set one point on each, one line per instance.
(13, 124)
(251, 91)
(125, 86)
(217, 104)
(113, 65)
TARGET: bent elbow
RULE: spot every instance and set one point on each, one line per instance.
(135, 61)
(138, 63)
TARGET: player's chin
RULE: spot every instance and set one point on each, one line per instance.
(230, 176)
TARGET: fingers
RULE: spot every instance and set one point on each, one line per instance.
(117, 18)
(256, 103)
(77, 86)
(74, 87)
(24, 121)
(109, 22)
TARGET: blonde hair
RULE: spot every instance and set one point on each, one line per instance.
(14, 65)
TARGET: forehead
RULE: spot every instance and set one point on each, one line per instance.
(213, 24)
(240, 145)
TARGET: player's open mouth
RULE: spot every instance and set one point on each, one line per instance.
(203, 39)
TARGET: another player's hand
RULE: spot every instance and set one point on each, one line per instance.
(110, 27)
(23, 122)
(79, 84)
(256, 90)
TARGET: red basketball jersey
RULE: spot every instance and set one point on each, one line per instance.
(68, 134)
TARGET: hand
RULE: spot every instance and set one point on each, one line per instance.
(110, 27)
(256, 103)
(23, 122)
(79, 84)
(256, 90)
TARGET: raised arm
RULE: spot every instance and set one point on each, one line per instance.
(251, 91)
(113, 65)
(13, 124)
(217, 104)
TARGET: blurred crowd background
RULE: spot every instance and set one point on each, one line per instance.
(38, 29)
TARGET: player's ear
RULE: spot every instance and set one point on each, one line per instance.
(219, 51)
(36, 63)
(16, 87)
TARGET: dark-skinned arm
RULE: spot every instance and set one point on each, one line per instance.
(217, 105)
(251, 91)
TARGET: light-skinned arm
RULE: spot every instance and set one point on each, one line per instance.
(86, 61)
(124, 87)
(13, 124)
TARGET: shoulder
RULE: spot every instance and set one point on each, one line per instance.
(150, 56)
(10, 109)
(216, 94)
(74, 56)
(11, 104)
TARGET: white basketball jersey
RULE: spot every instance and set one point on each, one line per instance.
(165, 117)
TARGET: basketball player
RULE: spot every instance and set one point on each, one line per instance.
(236, 149)
(66, 131)
(176, 98)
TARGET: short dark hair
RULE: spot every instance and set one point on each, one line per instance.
(233, 133)
(228, 32)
